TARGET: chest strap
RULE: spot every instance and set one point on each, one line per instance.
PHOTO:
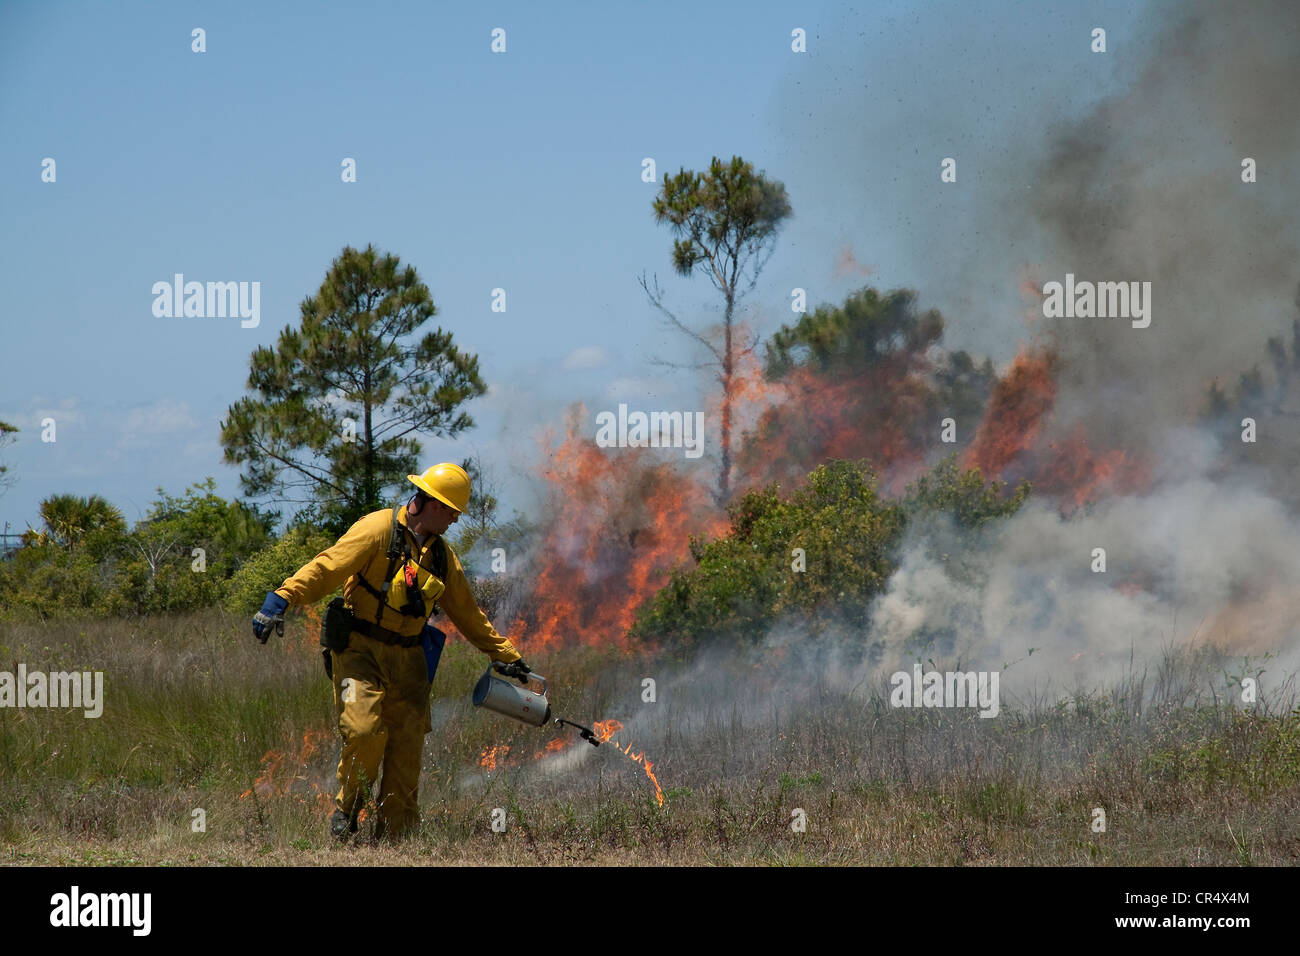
(399, 549)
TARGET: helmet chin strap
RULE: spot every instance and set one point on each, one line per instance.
(413, 516)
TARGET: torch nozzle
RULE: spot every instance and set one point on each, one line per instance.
(586, 733)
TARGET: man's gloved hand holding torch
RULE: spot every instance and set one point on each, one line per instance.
(516, 669)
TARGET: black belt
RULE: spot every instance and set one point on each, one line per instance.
(383, 634)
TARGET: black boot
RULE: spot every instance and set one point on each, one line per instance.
(342, 826)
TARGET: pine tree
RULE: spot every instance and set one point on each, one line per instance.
(725, 221)
(338, 402)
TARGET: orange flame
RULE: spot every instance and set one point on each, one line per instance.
(1006, 445)
(554, 746)
(649, 772)
(324, 800)
(622, 522)
(311, 633)
(1078, 475)
(878, 413)
(492, 756)
(623, 517)
(605, 730)
(271, 782)
(1021, 400)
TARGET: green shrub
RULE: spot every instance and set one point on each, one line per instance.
(849, 535)
(45, 580)
(178, 557)
(266, 570)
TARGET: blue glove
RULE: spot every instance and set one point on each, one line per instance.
(271, 615)
(432, 639)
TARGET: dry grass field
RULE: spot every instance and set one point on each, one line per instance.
(198, 716)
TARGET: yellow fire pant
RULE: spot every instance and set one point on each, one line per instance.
(381, 695)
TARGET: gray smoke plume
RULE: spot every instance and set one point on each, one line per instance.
(1148, 187)
(1144, 184)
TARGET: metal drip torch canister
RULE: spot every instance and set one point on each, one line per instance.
(521, 702)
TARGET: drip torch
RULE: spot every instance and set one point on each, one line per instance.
(524, 703)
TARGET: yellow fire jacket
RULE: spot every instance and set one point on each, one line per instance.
(362, 551)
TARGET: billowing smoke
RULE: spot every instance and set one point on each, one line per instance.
(1146, 187)
(1025, 592)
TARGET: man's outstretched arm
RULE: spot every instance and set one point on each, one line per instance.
(327, 571)
(458, 601)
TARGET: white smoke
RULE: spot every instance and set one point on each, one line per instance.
(1186, 562)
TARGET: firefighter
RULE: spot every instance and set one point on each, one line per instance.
(394, 568)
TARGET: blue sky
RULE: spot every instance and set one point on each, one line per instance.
(518, 170)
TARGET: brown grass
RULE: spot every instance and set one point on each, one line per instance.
(194, 705)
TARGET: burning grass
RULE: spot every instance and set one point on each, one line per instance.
(197, 712)
(620, 524)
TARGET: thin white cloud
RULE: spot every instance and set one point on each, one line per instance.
(586, 358)
(158, 418)
(64, 411)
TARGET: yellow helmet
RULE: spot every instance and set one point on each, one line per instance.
(447, 482)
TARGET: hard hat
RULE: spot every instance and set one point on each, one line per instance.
(447, 482)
